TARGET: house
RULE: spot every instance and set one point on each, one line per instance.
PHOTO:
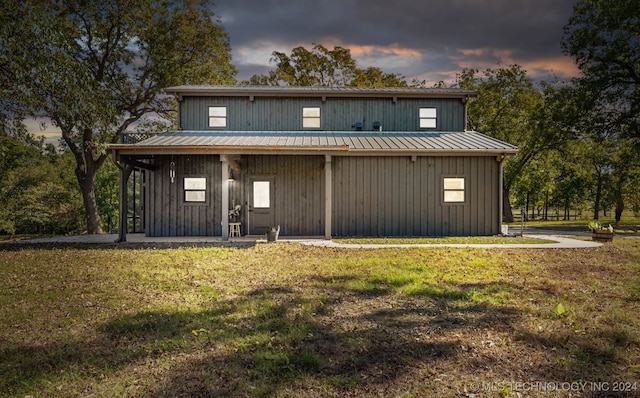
(318, 161)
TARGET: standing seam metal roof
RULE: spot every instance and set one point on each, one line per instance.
(355, 141)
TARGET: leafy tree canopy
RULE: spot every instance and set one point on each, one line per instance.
(604, 39)
(323, 67)
(96, 68)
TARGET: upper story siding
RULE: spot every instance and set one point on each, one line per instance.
(258, 110)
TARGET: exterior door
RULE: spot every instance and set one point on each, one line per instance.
(261, 204)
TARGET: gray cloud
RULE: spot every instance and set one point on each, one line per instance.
(431, 37)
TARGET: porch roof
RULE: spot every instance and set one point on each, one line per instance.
(298, 142)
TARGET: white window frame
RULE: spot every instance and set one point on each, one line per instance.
(311, 117)
(428, 118)
(217, 117)
(454, 189)
(194, 189)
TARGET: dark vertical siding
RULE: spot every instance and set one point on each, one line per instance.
(298, 188)
(405, 197)
(167, 212)
(337, 114)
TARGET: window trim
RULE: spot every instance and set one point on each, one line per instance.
(428, 117)
(312, 118)
(211, 117)
(462, 190)
(186, 190)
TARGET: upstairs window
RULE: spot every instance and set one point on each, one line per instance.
(217, 116)
(453, 189)
(311, 117)
(428, 118)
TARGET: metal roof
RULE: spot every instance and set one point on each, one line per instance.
(271, 91)
(319, 141)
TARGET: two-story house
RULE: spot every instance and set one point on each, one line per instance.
(319, 161)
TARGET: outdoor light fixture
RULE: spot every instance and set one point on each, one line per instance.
(172, 171)
(231, 179)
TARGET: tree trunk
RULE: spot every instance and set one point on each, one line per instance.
(619, 208)
(596, 202)
(546, 206)
(507, 213)
(86, 179)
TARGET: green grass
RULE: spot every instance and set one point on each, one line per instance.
(499, 240)
(287, 320)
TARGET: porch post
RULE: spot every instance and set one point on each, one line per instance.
(123, 207)
(225, 197)
(327, 196)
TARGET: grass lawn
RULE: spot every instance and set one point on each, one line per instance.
(287, 320)
(495, 240)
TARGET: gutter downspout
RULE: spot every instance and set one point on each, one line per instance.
(500, 160)
(465, 101)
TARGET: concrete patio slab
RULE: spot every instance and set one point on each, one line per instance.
(562, 242)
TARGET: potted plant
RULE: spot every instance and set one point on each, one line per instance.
(273, 234)
(601, 233)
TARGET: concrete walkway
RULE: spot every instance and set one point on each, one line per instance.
(562, 241)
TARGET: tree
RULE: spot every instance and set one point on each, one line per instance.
(37, 189)
(604, 39)
(509, 107)
(323, 67)
(97, 68)
(375, 77)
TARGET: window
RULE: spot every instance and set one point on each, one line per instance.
(311, 117)
(453, 189)
(217, 116)
(428, 118)
(261, 195)
(195, 189)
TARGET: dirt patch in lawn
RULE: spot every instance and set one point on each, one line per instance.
(289, 320)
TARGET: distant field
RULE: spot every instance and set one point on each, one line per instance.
(287, 320)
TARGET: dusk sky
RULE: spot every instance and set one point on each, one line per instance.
(428, 40)
(425, 39)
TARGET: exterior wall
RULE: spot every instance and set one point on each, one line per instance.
(395, 196)
(298, 189)
(337, 114)
(372, 196)
(167, 212)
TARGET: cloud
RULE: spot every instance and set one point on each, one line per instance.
(413, 38)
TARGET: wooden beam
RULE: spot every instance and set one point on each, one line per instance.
(130, 160)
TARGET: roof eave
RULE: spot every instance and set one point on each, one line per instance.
(132, 149)
(318, 92)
